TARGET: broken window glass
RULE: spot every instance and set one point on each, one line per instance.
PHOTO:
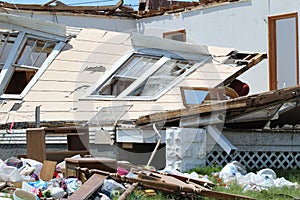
(159, 80)
(127, 74)
(7, 41)
(35, 52)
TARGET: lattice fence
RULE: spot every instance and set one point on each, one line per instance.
(258, 160)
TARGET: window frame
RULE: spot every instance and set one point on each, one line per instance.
(9, 67)
(165, 56)
(170, 33)
(272, 52)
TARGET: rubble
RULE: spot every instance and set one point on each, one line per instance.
(30, 179)
(264, 179)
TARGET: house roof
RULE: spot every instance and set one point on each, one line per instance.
(155, 7)
(63, 92)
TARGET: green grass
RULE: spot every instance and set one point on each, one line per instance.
(283, 193)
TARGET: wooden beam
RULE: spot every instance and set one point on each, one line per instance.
(62, 7)
(247, 102)
(88, 188)
(252, 62)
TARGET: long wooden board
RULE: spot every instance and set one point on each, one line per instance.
(89, 187)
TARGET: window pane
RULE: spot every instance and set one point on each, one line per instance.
(136, 66)
(35, 52)
(162, 78)
(194, 96)
(6, 45)
(127, 74)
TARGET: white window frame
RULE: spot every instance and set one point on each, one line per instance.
(148, 52)
(9, 65)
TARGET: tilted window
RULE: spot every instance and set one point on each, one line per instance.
(127, 74)
(144, 76)
(21, 57)
(159, 80)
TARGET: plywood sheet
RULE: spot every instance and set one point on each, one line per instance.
(88, 188)
(47, 170)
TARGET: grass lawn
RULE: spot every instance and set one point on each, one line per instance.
(283, 193)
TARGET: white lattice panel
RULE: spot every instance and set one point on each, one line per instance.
(258, 160)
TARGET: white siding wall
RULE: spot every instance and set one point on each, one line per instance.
(241, 25)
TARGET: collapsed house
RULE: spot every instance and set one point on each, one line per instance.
(107, 81)
(124, 108)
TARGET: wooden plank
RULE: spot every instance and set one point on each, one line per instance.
(48, 170)
(179, 187)
(59, 6)
(128, 191)
(254, 61)
(89, 187)
(36, 144)
(247, 102)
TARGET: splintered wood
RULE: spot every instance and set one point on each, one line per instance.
(171, 184)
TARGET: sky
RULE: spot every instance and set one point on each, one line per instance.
(76, 2)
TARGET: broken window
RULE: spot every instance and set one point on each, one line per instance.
(21, 56)
(197, 95)
(127, 74)
(7, 40)
(159, 80)
(192, 96)
(35, 52)
(144, 76)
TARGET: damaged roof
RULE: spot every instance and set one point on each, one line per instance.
(94, 73)
(153, 7)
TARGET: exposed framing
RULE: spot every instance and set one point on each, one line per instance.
(272, 52)
(169, 34)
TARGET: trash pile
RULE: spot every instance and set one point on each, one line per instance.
(32, 180)
(264, 179)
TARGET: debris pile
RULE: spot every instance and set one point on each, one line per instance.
(30, 179)
(264, 179)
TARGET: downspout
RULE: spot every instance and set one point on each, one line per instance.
(157, 144)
